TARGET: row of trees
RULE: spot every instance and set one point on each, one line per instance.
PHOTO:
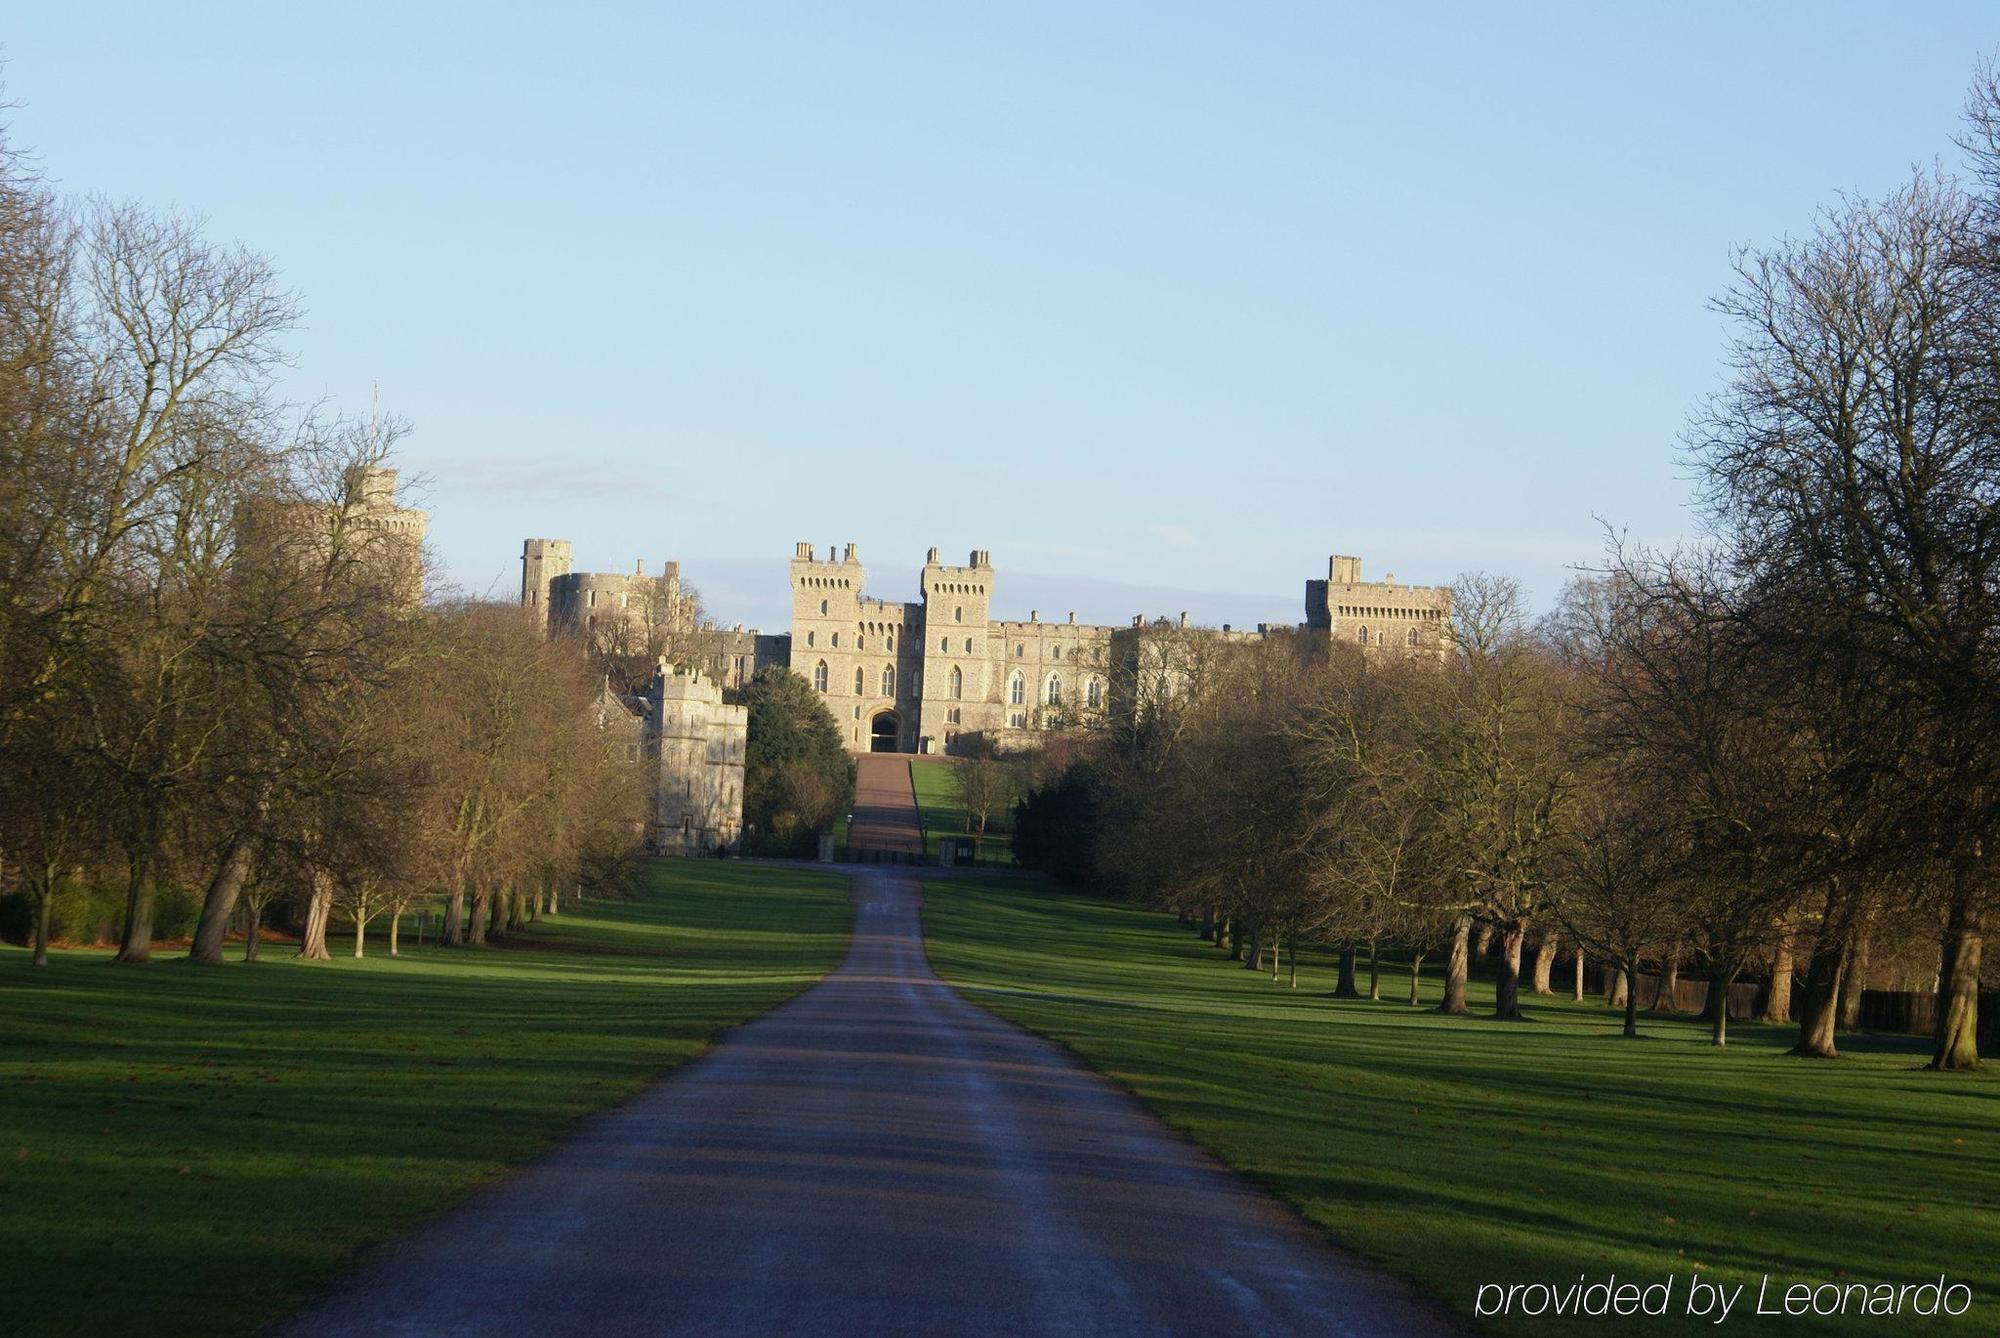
(218, 687)
(1760, 753)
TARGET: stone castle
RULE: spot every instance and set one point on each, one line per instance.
(690, 744)
(939, 674)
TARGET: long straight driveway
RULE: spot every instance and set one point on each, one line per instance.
(875, 1157)
(885, 807)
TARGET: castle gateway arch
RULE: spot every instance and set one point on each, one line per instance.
(883, 732)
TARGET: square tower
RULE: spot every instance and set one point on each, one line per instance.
(958, 649)
(826, 601)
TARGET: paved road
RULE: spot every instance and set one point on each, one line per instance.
(875, 1157)
(885, 807)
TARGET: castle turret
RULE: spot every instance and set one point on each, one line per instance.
(542, 560)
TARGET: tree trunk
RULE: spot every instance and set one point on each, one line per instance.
(1295, 959)
(482, 906)
(135, 944)
(395, 924)
(1484, 943)
(254, 913)
(1624, 988)
(1719, 981)
(1545, 963)
(1208, 924)
(1416, 976)
(1667, 998)
(1853, 980)
(219, 903)
(1253, 960)
(1344, 986)
(319, 910)
(1577, 995)
(44, 905)
(452, 935)
(1628, 987)
(1374, 970)
(1456, 965)
(1507, 989)
(1957, 1034)
(360, 936)
(1778, 997)
(1821, 1007)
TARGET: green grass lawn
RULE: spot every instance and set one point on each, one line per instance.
(944, 816)
(189, 1151)
(1460, 1151)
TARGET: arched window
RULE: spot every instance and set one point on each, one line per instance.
(809, 638)
(822, 608)
(1094, 694)
(944, 644)
(1019, 650)
(968, 645)
(957, 683)
(888, 680)
(1058, 652)
(1055, 690)
(1412, 637)
(836, 639)
(958, 614)
(1017, 690)
(891, 641)
(819, 676)
(860, 642)
(860, 684)
(1362, 636)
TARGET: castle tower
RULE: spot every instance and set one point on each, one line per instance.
(957, 644)
(826, 600)
(542, 560)
(1378, 616)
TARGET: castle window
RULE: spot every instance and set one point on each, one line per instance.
(1412, 638)
(892, 641)
(957, 683)
(1054, 691)
(860, 684)
(1058, 652)
(888, 680)
(836, 640)
(1017, 721)
(1017, 690)
(822, 608)
(1094, 694)
(819, 676)
(954, 716)
(968, 645)
(944, 644)
(958, 614)
(1019, 650)
(809, 638)
(1362, 636)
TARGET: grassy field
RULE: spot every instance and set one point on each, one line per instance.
(1462, 1151)
(943, 815)
(194, 1151)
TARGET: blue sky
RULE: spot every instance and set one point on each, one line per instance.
(1185, 297)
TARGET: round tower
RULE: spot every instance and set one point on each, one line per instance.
(542, 560)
